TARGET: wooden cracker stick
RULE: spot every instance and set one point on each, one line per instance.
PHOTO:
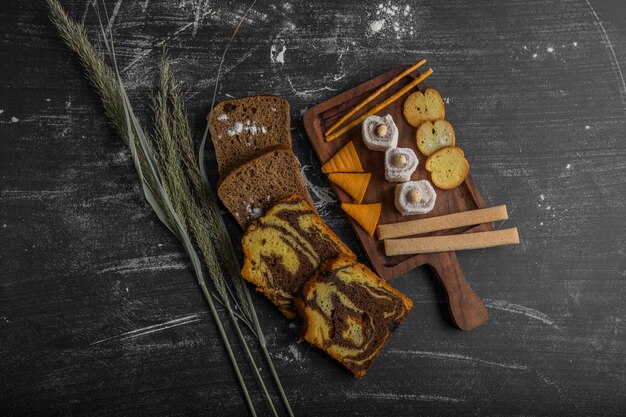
(449, 221)
(451, 242)
(380, 106)
(375, 94)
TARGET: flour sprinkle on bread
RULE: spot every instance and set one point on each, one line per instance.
(241, 128)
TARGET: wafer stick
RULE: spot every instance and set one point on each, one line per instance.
(380, 106)
(375, 94)
(449, 221)
(451, 242)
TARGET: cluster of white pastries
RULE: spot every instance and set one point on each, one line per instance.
(411, 197)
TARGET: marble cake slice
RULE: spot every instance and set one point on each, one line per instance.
(283, 249)
(243, 127)
(350, 312)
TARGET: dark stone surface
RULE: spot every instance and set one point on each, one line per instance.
(537, 97)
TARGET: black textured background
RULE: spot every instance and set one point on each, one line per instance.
(537, 97)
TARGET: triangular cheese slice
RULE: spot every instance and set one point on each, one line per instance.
(346, 160)
(355, 184)
(366, 215)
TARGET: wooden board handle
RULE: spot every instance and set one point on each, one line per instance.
(466, 309)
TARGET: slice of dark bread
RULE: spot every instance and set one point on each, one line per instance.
(255, 185)
(241, 128)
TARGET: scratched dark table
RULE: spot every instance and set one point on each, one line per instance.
(100, 313)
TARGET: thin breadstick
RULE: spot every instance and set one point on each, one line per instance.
(449, 221)
(375, 94)
(451, 242)
(380, 106)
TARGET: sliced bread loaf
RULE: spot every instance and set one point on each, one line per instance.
(241, 128)
(250, 188)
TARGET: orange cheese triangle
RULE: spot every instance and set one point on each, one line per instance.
(366, 215)
(355, 184)
(346, 160)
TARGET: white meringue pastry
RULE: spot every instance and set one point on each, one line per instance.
(379, 133)
(415, 197)
(400, 163)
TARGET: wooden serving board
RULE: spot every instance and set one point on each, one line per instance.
(466, 309)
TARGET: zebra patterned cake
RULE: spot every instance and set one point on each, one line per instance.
(350, 312)
(283, 248)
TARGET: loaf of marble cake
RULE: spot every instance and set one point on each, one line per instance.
(283, 248)
(350, 312)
